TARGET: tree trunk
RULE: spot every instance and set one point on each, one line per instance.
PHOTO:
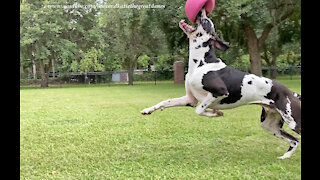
(275, 52)
(34, 70)
(86, 79)
(131, 65)
(253, 47)
(44, 77)
(130, 74)
(53, 70)
(273, 70)
(21, 72)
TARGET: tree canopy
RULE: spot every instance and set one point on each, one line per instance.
(86, 35)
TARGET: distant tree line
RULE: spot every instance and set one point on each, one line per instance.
(261, 32)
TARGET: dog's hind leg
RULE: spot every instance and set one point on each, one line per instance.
(290, 110)
(272, 122)
(288, 104)
(293, 142)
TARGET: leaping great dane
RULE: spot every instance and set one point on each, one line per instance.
(217, 86)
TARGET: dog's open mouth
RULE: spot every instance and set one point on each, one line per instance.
(186, 27)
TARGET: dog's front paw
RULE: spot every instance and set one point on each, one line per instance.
(218, 113)
(215, 113)
(211, 113)
(283, 157)
(147, 111)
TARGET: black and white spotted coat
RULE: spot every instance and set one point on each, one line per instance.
(217, 86)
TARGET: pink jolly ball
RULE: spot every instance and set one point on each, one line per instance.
(192, 8)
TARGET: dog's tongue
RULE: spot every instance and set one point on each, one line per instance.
(186, 26)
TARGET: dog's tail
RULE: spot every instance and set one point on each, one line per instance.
(297, 95)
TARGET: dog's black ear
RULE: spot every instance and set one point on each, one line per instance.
(219, 44)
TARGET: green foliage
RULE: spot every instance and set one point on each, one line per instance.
(132, 32)
(112, 62)
(74, 66)
(289, 58)
(91, 61)
(157, 75)
(127, 37)
(143, 60)
(242, 63)
(164, 63)
(168, 21)
(59, 34)
(146, 76)
(290, 30)
(230, 16)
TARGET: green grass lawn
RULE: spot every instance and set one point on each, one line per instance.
(97, 132)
